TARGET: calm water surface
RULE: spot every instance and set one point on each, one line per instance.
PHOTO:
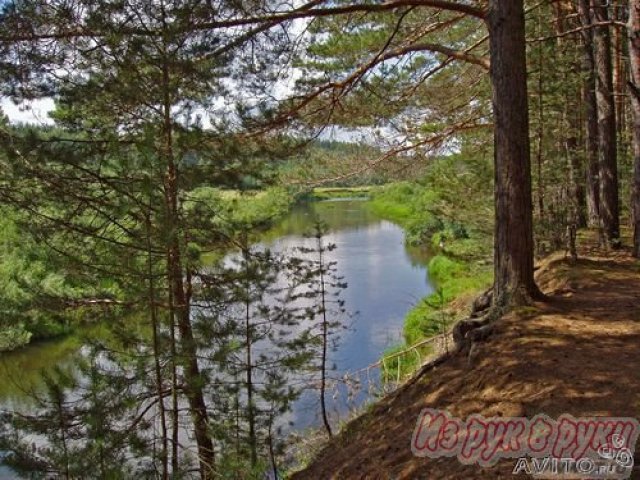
(385, 279)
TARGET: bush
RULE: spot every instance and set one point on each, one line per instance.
(46, 327)
(13, 337)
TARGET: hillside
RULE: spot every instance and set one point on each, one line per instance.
(577, 353)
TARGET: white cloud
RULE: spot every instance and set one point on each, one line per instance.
(36, 112)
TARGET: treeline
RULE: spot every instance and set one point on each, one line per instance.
(336, 164)
(582, 95)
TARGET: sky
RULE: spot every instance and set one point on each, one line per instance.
(32, 112)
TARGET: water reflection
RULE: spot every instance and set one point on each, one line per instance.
(385, 279)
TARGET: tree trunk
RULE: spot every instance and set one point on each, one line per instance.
(578, 216)
(591, 117)
(251, 404)
(181, 299)
(192, 378)
(634, 63)
(571, 124)
(175, 407)
(513, 249)
(619, 75)
(540, 133)
(609, 208)
(325, 339)
(153, 310)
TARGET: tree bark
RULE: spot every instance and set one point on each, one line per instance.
(634, 64)
(188, 351)
(619, 75)
(591, 116)
(609, 207)
(513, 243)
(251, 404)
(153, 311)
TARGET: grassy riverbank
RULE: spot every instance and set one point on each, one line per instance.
(329, 193)
(547, 357)
(459, 237)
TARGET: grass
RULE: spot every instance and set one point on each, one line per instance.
(458, 282)
(454, 280)
(460, 270)
(253, 209)
(328, 193)
(409, 205)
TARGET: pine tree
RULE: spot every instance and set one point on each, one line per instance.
(326, 310)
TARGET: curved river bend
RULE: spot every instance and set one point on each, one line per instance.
(385, 279)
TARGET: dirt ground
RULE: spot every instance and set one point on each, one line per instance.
(577, 353)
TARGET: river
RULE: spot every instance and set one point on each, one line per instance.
(385, 279)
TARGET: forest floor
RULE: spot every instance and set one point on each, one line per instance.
(577, 353)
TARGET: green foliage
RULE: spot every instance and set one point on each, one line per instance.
(449, 207)
(30, 283)
(259, 209)
(449, 210)
(225, 210)
(15, 336)
(230, 466)
(330, 193)
(408, 204)
(453, 278)
(79, 421)
(443, 269)
(398, 366)
(332, 163)
(409, 87)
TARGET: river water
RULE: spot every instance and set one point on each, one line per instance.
(385, 279)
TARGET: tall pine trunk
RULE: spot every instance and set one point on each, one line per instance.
(251, 403)
(513, 283)
(591, 117)
(153, 310)
(634, 63)
(607, 137)
(193, 384)
(325, 337)
(571, 124)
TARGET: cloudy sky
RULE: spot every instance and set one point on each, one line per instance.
(33, 112)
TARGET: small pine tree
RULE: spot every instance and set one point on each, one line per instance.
(326, 309)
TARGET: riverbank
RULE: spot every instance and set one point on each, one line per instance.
(460, 265)
(369, 257)
(545, 358)
(330, 193)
